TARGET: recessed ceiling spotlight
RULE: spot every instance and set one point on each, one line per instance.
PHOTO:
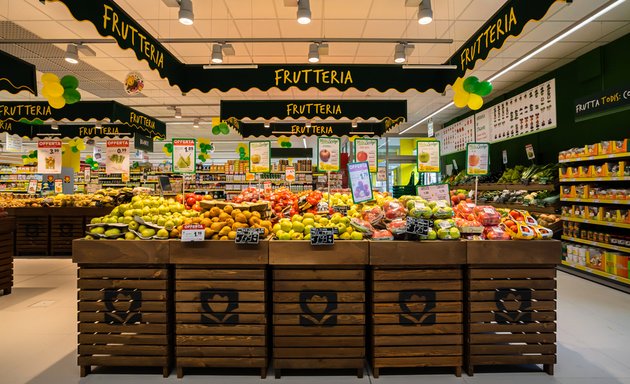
(196, 123)
(72, 54)
(186, 15)
(304, 12)
(54, 126)
(400, 56)
(354, 124)
(98, 125)
(178, 113)
(313, 53)
(308, 124)
(267, 124)
(425, 13)
(217, 54)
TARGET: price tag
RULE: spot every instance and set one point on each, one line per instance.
(193, 232)
(529, 150)
(117, 157)
(505, 159)
(184, 155)
(58, 186)
(322, 236)
(289, 174)
(32, 186)
(49, 156)
(322, 206)
(248, 235)
(343, 209)
(418, 227)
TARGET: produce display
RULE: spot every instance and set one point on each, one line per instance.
(537, 198)
(103, 198)
(520, 174)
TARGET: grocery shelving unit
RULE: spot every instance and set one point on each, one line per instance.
(612, 270)
(515, 187)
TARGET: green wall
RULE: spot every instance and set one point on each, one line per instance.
(604, 67)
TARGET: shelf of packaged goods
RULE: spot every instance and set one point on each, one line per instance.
(509, 187)
(598, 201)
(597, 244)
(610, 178)
(296, 172)
(13, 191)
(113, 185)
(19, 173)
(596, 222)
(531, 208)
(203, 190)
(598, 157)
(596, 272)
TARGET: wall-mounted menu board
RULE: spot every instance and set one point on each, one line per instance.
(528, 112)
(454, 138)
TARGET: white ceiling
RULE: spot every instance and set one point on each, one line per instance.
(454, 19)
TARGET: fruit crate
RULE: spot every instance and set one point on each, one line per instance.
(319, 299)
(31, 235)
(6, 254)
(417, 304)
(511, 308)
(64, 229)
(220, 305)
(124, 302)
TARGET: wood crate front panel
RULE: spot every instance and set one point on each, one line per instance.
(31, 235)
(221, 317)
(511, 315)
(64, 229)
(123, 316)
(417, 318)
(319, 318)
(6, 261)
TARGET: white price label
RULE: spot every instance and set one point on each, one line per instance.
(193, 232)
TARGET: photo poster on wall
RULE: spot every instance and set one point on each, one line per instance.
(453, 138)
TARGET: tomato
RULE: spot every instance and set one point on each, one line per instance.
(179, 198)
(198, 197)
(190, 201)
(196, 207)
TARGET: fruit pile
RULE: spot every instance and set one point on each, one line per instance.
(299, 227)
(190, 201)
(103, 198)
(521, 225)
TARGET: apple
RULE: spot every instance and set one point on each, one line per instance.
(324, 155)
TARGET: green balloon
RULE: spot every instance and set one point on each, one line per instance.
(71, 96)
(69, 82)
(169, 147)
(24, 157)
(224, 128)
(241, 150)
(32, 155)
(470, 84)
(216, 130)
(483, 89)
(75, 149)
(289, 145)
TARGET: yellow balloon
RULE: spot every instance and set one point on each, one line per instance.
(475, 102)
(458, 85)
(50, 78)
(46, 92)
(54, 90)
(461, 99)
(57, 102)
(81, 145)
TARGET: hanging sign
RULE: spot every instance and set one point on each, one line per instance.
(142, 142)
(315, 129)
(260, 156)
(428, 156)
(97, 154)
(328, 154)
(381, 175)
(434, 192)
(367, 150)
(32, 187)
(289, 174)
(12, 143)
(477, 159)
(49, 156)
(609, 99)
(504, 155)
(360, 182)
(184, 155)
(58, 186)
(117, 157)
(17, 75)
(430, 131)
(529, 150)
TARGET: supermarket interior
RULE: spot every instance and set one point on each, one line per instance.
(314, 190)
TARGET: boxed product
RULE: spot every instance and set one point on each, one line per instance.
(595, 258)
(605, 148)
(620, 146)
(487, 215)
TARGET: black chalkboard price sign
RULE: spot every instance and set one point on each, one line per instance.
(343, 209)
(418, 227)
(248, 235)
(322, 236)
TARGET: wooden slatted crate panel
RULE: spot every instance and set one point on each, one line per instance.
(220, 318)
(417, 318)
(31, 235)
(511, 316)
(318, 318)
(6, 262)
(64, 229)
(124, 316)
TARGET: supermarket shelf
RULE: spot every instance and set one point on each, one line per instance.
(597, 244)
(596, 222)
(597, 276)
(531, 208)
(599, 201)
(296, 172)
(509, 187)
(610, 178)
(599, 157)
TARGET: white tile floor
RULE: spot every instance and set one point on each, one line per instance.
(38, 338)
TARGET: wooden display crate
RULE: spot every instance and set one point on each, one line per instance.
(6, 255)
(319, 301)
(511, 307)
(31, 235)
(220, 305)
(124, 304)
(64, 229)
(417, 306)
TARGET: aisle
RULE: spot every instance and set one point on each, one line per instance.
(38, 337)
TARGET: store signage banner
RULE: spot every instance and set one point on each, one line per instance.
(428, 156)
(609, 99)
(49, 156)
(323, 109)
(435, 192)
(17, 75)
(508, 21)
(455, 136)
(315, 129)
(360, 182)
(142, 142)
(367, 150)
(184, 155)
(82, 131)
(328, 154)
(117, 157)
(260, 156)
(477, 159)
(12, 143)
(16, 128)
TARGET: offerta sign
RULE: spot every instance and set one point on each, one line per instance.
(49, 156)
(184, 155)
(117, 157)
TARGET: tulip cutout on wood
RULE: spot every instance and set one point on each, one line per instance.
(470, 92)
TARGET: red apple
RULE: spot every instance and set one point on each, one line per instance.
(324, 155)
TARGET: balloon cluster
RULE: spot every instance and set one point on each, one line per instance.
(284, 142)
(205, 148)
(352, 138)
(32, 122)
(76, 145)
(93, 164)
(470, 92)
(31, 158)
(243, 152)
(60, 92)
(221, 129)
(167, 148)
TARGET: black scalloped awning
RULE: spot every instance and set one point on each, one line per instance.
(16, 75)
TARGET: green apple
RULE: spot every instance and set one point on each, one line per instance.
(276, 228)
(130, 236)
(323, 221)
(149, 232)
(345, 236)
(309, 215)
(169, 225)
(284, 236)
(127, 220)
(298, 227)
(297, 236)
(454, 232)
(88, 237)
(307, 236)
(317, 218)
(432, 235)
(307, 228)
(341, 227)
(286, 226)
(121, 220)
(137, 205)
(112, 232)
(96, 220)
(308, 220)
(97, 230)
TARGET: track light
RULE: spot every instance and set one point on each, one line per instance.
(313, 53)
(196, 123)
(267, 124)
(425, 14)
(304, 12)
(54, 126)
(304, 142)
(178, 113)
(72, 54)
(217, 54)
(400, 56)
(354, 124)
(98, 125)
(308, 124)
(186, 15)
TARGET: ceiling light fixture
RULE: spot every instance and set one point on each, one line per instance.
(400, 54)
(217, 54)
(354, 124)
(267, 124)
(304, 12)
(72, 54)
(196, 123)
(54, 126)
(556, 39)
(304, 142)
(186, 14)
(425, 13)
(178, 112)
(313, 53)
(308, 124)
